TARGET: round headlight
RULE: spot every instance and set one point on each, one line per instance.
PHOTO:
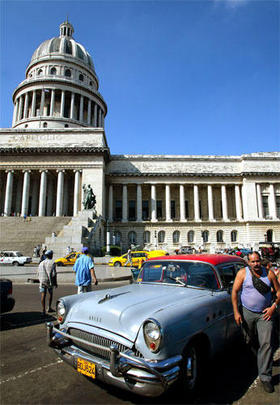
(60, 311)
(152, 335)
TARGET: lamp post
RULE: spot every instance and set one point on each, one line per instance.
(107, 239)
(156, 239)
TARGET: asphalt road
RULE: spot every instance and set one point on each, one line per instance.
(31, 373)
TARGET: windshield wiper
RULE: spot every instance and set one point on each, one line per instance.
(177, 279)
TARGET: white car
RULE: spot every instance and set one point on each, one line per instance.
(14, 257)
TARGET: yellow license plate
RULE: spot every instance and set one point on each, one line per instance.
(86, 367)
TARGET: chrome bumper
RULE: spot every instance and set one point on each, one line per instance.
(124, 370)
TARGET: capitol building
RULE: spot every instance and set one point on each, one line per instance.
(57, 146)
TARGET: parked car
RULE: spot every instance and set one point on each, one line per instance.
(184, 250)
(137, 257)
(145, 336)
(14, 257)
(68, 259)
(6, 291)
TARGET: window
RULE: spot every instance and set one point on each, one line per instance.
(233, 236)
(40, 72)
(265, 206)
(173, 209)
(66, 126)
(91, 83)
(131, 210)
(53, 71)
(117, 238)
(81, 78)
(132, 238)
(159, 209)
(269, 235)
(220, 236)
(277, 206)
(176, 237)
(147, 237)
(145, 210)
(227, 273)
(67, 73)
(190, 236)
(45, 125)
(161, 237)
(118, 210)
(205, 236)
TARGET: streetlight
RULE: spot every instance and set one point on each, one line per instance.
(155, 238)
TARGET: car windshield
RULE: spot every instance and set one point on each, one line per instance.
(185, 273)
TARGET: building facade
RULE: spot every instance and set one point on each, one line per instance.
(57, 145)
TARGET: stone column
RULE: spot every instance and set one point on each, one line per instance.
(89, 112)
(81, 117)
(95, 115)
(52, 102)
(153, 203)
(26, 98)
(259, 199)
(139, 203)
(42, 103)
(62, 103)
(272, 202)
(25, 192)
(224, 202)
(9, 193)
(59, 192)
(210, 203)
(182, 203)
(20, 108)
(238, 207)
(35, 193)
(167, 204)
(196, 202)
(15, 112)
(77, 189)
(33, 105)
(72, 106)
(110, 203)
(43, 193)
(18, 194)
(124, 203)
(100, 117)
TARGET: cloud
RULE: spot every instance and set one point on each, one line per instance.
(232, 3)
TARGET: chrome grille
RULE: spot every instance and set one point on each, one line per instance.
(99, 340)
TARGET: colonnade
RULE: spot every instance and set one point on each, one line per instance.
(236, 198)
(51, 102)
(46, 193)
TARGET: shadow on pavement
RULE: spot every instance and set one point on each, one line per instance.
(229, 377)
(16, 320)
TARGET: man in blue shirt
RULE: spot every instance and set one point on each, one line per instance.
(84, 269)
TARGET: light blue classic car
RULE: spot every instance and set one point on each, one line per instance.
(145, 336)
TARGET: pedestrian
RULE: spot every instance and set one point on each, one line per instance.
(85, 273)
(256, 311)
(129, 259)
(43, 256)
(47, 280)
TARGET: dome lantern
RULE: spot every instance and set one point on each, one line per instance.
(66, 29)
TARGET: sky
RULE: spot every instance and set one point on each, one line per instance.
(179, 77)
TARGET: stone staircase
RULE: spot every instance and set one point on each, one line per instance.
(82, 230)
(22, 235)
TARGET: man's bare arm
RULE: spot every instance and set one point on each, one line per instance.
(239, 279)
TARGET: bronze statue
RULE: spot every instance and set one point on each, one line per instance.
(89, 200)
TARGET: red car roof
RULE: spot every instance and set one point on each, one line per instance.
(209, 258)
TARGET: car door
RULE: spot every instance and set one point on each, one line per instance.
(227, 273)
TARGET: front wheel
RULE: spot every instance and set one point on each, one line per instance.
(117, 264)
(15, 263)
(59, 264)
(191, 368)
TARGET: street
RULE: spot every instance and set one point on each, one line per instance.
(32, 373)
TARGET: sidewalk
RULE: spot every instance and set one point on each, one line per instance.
(65, 275)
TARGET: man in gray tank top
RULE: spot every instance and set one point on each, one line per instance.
(256, 312)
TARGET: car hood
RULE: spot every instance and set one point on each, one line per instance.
(123, 310)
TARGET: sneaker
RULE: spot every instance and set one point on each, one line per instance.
(51, 310)
(267, 386)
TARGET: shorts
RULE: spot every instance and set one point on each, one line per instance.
(84, 289)
(44, 289)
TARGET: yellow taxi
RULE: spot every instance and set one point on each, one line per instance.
(68, 259)
(137, 258)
